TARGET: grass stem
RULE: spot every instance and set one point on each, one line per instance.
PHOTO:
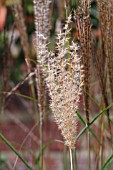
(74, 159)
(41, 141)
(65, 158)
(102, 141)
(89, 155)
(71, 158)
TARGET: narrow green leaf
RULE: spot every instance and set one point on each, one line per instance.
(15, 151)
(91, 130)
(81, 118)
(27, 97)
(109, 119)
(99, 107)
(82, 131)
(95, 118)
(37, 161)
(93, 133)
(108, 162)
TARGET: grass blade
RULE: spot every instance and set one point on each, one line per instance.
(97, 116)
(80, 134)
(81, 118)
(92, 132)
(108, 162)
(37, 161)
(27, 97)
(15, 151)
(94, 119)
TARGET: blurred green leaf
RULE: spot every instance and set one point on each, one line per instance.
(37, 161)
(108, 162)
(91, 130)
(27, 97)
(94, 119)
(15, 151)
(30, 8)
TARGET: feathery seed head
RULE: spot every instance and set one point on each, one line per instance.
(64, 78)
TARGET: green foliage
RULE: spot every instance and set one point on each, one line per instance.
(37, 161)
(91, 122)
(15, 151)
(108, 162)
(3, 162)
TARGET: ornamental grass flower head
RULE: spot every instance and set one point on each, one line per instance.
(64, 79)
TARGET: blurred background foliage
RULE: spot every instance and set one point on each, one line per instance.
(12, 55)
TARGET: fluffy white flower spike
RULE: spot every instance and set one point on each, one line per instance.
(64, 78)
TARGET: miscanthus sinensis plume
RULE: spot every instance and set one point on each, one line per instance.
(64, 78)
(42, 25)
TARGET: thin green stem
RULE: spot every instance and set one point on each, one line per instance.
(65, 158)
(2, 105)
(41, 141)
(89, 156)
(74, 159)
(102, 141)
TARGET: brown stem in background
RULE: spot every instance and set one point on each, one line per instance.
(6, 59)
(20, 24)
(84, 33)
(40, 89)
(105, 52)
(82, 17)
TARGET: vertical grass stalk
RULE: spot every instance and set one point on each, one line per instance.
(82, 17)
(102, 141)
(74, 159)
(20, 25)
(42, 24)
(89, 156)
(65, 162)
(71, 158)
(106, 17)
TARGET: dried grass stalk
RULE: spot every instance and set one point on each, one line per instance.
(109, 41)
(20, 24)
(82, 17)
(42, 12)
(42, 24)
(105, 57)
(106, 18)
